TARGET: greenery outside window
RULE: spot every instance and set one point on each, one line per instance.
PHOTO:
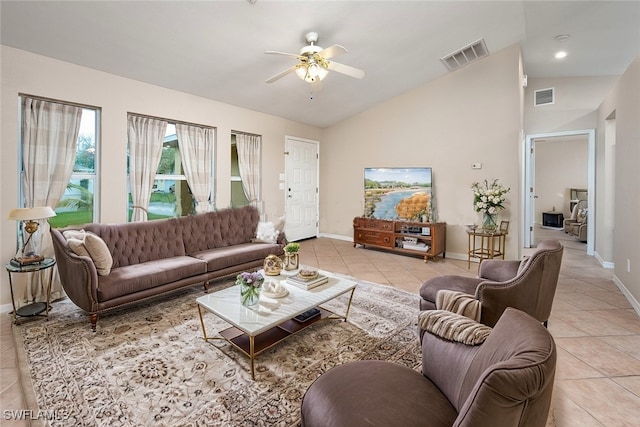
(171, 195)
(77, 205)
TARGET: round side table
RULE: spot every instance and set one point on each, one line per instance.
(35, 308)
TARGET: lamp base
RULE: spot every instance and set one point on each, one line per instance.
(22, 261)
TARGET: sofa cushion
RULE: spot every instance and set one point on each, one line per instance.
(220, 258)
(218, 229)
(138, 242)
(139, 277)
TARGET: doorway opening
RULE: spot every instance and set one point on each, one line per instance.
(532, 211)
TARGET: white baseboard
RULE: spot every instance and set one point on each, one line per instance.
(6, 308)
(605, 264)
(336, 236)
(634, 302)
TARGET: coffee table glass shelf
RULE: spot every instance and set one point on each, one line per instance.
(255, 330)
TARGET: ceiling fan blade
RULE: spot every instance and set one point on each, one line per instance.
(282, 74)
(346, 69)
(332, 51)
(275, 52)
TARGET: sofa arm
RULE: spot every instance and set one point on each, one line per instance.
(78, 274)
(498, 270)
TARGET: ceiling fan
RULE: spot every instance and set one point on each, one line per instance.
(314, 62)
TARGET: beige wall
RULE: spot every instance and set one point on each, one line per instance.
(469, 116)
(23, 72)
(561, 164)
(576, 101)
(624, 100)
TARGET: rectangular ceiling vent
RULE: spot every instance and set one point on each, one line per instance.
(466, 55)
(544, 97)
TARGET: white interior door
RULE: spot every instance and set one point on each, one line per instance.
(301, 188)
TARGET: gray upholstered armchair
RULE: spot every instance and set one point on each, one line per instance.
(577, 223)
(527, 285)
(507, 381)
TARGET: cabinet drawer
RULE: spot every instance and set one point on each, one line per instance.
(374, 238)
(376, 224)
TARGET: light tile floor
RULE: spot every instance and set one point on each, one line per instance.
(596, 330)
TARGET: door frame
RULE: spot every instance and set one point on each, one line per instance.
(287, 141)
(528, 180)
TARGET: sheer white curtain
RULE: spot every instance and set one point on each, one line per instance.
(145, 149)
(49, 139)
(249, 164)
(196, 146)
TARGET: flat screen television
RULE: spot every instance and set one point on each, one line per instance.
(398, 193)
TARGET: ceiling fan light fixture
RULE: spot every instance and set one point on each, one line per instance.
(312, 73)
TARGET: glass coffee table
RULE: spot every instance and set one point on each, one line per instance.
(254, 330)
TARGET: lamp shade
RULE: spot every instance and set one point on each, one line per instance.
(30, 214)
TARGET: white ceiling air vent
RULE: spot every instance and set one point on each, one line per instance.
(466, 55)
(544, 97)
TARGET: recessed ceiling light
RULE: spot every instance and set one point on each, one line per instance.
(561, 54)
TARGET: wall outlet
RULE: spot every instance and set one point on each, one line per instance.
(628, 265)
(476, 166)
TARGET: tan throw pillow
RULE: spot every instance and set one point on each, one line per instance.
(453, 327)
(77, 246)
(99, 253)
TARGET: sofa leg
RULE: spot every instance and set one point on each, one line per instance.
(94, 321)
(206, 287)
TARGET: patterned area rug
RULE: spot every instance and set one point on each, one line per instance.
(148, 365)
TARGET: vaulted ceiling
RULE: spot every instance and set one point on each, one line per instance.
(215, 49)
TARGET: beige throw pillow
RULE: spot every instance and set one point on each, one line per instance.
(99, 252)
(77, 246)
(74, 234)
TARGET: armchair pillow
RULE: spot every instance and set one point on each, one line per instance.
(453, 327)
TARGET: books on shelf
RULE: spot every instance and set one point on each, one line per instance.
(422, 247)
(305, 283)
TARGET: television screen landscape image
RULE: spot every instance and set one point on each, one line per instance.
(397, 193)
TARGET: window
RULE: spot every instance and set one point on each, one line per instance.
(238, 197)
(77, 205)
(170, 195)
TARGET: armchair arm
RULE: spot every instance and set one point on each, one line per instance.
(78, 274)
(497, 270)
(446, 364)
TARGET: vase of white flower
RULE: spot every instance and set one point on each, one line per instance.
(250, 286)
(488, 199)
(489, 222)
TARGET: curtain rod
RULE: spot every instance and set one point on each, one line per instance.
(237, 132)
(171, 120)
(58, 101)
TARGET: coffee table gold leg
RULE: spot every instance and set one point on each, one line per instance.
(204, 331)
(346, 314)
(251, 356)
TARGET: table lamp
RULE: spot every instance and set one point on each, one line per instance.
(28, 218)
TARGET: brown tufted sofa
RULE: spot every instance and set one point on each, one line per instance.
(154, 257)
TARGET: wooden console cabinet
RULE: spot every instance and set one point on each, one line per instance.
(405, 237)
